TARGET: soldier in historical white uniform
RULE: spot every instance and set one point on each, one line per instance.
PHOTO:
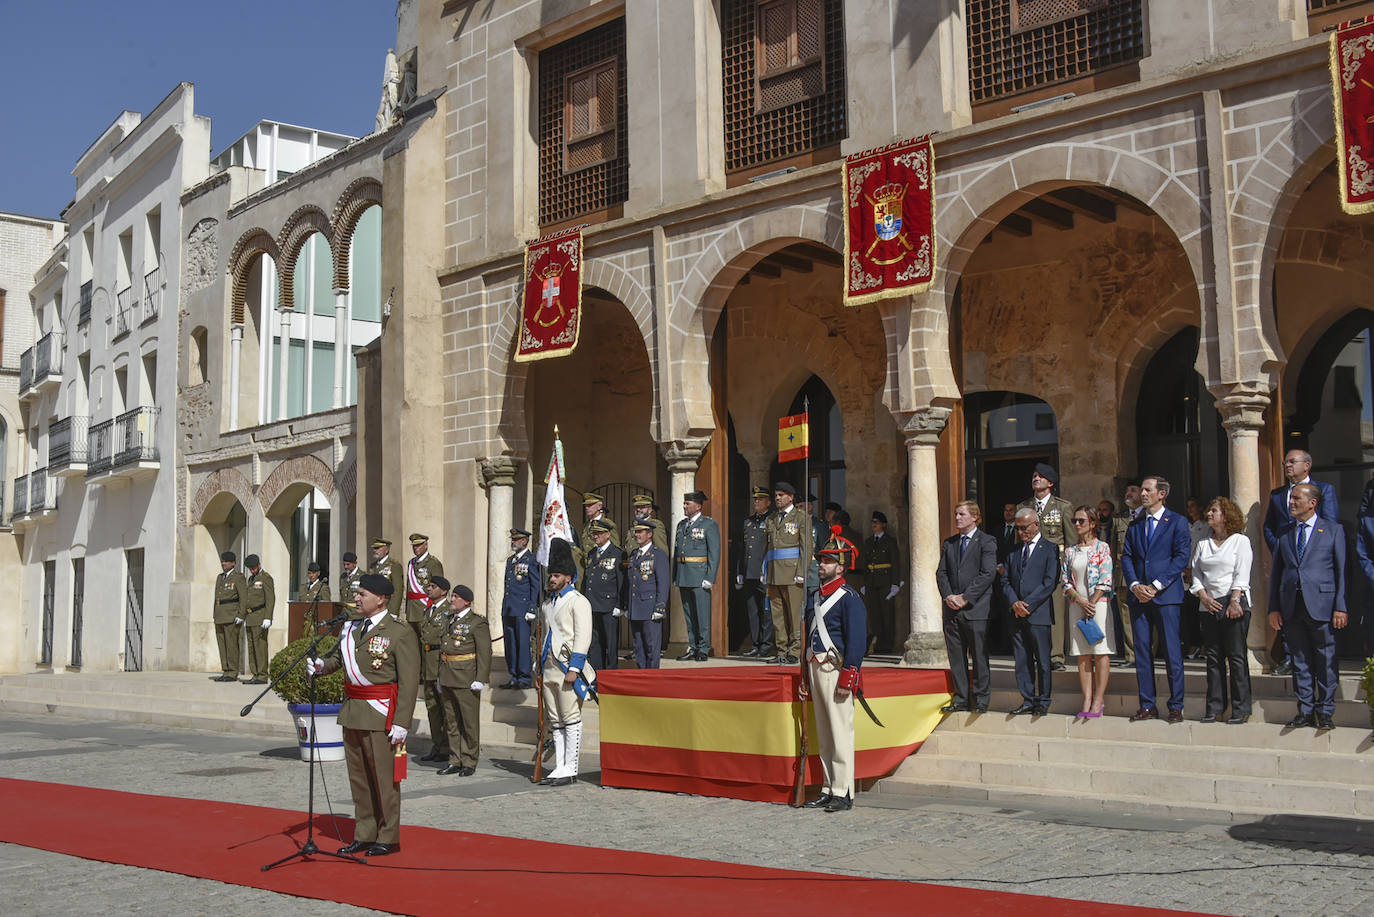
(568, 677)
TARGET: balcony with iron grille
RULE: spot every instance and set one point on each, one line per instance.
(42, 495)
(124, 449)
(67, 447)
(126, 307)
(21, 499)
(101, 441)
(40, 367)
(83, 316)
(152, 296)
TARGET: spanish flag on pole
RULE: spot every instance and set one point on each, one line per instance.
(794, 435)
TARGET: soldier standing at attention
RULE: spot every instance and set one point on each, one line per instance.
(790, 543)
(882, 581)
(314, 591)
(644, 508)
(519, 602)
(1054, 512)
(566, 672)
(433, 628)
(262, 600)
(697, 556)
(348, 584)
(604, 587)
(381, 664)
(464, 669)
(389, 568)
(750, 573)
(231, 593)
(648, 595)
(422, 566)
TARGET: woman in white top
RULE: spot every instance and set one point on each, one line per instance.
(1221, 581)
(1087, 581)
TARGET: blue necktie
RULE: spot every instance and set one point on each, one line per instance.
(963, 543)
(1302, 540)
(1149, 529)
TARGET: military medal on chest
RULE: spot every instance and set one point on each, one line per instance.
(376, 647)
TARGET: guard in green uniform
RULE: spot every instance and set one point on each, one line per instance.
(464, 669)
(389, 568)
(262, 601)
(422, 566)
(791, 544)
(1054, 513)
(882, 566)
(231, 592)
(315, 590)
(433, 627)
(349, 575)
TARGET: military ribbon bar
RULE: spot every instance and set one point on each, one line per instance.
(889, 221)
(1352, 82)
(551, 304)
(794, 437)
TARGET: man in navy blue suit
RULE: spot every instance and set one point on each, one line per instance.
(1307, 600)
(1296, 467)
(1032, 577)
(1154, 556)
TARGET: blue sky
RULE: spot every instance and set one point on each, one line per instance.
(74, 65)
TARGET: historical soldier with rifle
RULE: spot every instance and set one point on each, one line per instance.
(565, 675)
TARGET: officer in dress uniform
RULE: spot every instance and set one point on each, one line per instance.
(381, 663)
(563, 659)
(882, 561)
(348, 584)
(261, 601)
(790, 545)
(433, 628)
(419, 570)
(314, 591)
(604, 587)
(231, 594)
(594, 510)
(696, 553)
(648, 594)
(837, 635)
(1054, 513)
(644, 508)
(749, 576)
(464, 669)
(519, 603)
(389, 568)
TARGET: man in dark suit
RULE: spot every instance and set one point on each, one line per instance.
(1032, 578)
(604, 586)
(1307, 600)
(968, 566)
(1297, 466)
(1153, 558)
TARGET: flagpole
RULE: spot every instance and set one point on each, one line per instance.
(806, 461)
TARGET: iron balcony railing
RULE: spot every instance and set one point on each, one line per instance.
(125, 303)
(47, 356)
(101, 440)
(42, 492)
(84, 315)
(26, 371)
(21, 496)
(135, 436)
(67, 442)
(152, 295)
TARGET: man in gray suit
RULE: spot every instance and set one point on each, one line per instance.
(968, 566)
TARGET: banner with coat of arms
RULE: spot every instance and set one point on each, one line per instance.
(551, 305)
(889, 221)
(1352, 83)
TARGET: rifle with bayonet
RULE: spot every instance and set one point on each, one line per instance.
(541, 727)
(804, 748)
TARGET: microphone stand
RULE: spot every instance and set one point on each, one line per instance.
(309, 848)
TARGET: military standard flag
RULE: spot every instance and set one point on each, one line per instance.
(1352, 81)
(794, 436)
(554, 523)
(889, 221)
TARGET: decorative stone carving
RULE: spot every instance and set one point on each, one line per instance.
(924, 425)
(684, 455)
(1242, 407)
(202, 256)
(498, 471)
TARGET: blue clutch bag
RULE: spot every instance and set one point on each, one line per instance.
(1090, 631)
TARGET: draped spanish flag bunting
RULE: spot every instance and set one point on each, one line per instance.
(551, 303)
(794, 437)
(1352, 81)
(889, 221)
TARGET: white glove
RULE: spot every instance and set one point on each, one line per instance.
(799, 580)
(238, 620)
(314, 666)
(477, 686)
(529, 616)
(739, 580)
(397, 735)
(656, 616)
(863, 590)
(893, 591)
(266, 623)
(615, 612)
(705, 584)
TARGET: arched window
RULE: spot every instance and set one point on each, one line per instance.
(1179, 430)
(1006, 435)
(826, 462)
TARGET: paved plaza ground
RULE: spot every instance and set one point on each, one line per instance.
(1279, 865)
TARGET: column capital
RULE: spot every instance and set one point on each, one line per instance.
(341, 291)
(1242, 406)
(924, 425)
(684, 455)
(498, 471)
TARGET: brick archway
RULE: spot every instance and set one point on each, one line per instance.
(356, 199)
(305, 469)
(250, 245)
(225, 480)
(306, 221)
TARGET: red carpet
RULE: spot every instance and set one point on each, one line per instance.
(441, 872)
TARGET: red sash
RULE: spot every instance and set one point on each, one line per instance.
(375, 692)
(416, 596)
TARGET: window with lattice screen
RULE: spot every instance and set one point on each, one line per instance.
(790, 52)
(589, 116)
(1031, 14)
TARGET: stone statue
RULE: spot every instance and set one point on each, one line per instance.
(388, 112)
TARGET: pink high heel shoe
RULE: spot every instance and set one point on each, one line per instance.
(1094, 714)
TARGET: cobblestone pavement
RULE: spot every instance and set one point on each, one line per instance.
(1279, 865)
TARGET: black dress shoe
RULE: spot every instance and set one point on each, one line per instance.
(978, 708)
(819, 802)
(561, 781)
(1238, 719)
(955, 708)
(1175, 716)
(1324, 721)
(226, 678)
(510, 685)
(1283, 668)
(450, 771)
(355, 847)
(688, 656)
(839, 804)
(1145, 713)
(1024, 709)
(751, 652)
(1208, 718)
(1056, 666)
(789, 659)
(1042, 711)
(702, 657)
(525, 685)
(434, 755)
(1301, 720)
(466, 771)
(547, 781)
(381, 850)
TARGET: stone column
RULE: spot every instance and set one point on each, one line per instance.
(498, 477)
(284, 352)
(235, 371)
(683, 457)
(1243, 417)
(926, 644)
(342, 351)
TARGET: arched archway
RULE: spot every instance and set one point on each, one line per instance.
(1179, 429)
(1005, 435)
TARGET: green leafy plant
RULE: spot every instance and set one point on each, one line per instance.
(1367, 682)
(295, 687)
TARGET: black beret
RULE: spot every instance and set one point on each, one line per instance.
(376, 584)
(228, 557)
(251, 560)
(312, 567)
(440, 581)
(1046, 472)
(561, 558)
(350, 558)
(463, 592)
(785, 488)
(695, 496)
(879, 517)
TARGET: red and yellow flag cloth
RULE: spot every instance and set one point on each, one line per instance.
(889, 221)
(1352, 83)
(794, 437)
(551, 303)
(733, 731)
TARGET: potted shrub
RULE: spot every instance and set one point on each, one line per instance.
(329, 695)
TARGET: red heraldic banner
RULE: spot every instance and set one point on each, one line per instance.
(1352, 80)
(551, 308)
(889, 221)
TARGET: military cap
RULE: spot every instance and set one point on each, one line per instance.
(602, 525)
(463, 592)
(561, 558)
(417, 538)
(251, 561)
(376, 584)
(642, 527)
(1046, 472)
(589, 498)
(642, 500)
(312, 567)
(695, 496)
(879, 517)
(440, 581)
(832, 505)
(228, 557)
(350, 558)
(761, 493)
(782, 487)
(519, 533)
(380, 542)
